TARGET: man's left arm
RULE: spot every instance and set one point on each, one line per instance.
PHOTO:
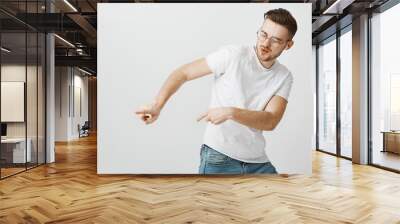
(265, 120)
(268, 119)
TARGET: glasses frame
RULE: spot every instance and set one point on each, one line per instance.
(274, 42)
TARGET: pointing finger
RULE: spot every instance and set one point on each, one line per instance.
(202, 116)
(142, 111)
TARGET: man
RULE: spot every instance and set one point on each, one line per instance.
(249, 95)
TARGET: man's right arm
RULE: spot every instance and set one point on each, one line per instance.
(178, 77)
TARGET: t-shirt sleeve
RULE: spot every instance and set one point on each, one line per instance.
(219, 60)
(284, 90)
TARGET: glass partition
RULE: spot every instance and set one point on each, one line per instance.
(13, 109)
(22, 63)
(32, 95)
(41, 111)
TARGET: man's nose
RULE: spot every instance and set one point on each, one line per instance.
(267, 42)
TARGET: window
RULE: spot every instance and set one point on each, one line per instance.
(346, 93)
(327, 96)
(395, 102)
(385, 89)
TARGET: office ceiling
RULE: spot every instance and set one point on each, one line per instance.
(76, 21)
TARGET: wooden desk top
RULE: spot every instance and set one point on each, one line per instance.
(13, 140)
(391, 132)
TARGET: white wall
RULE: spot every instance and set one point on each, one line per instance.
(61, 103)
(80, 83)
(67, 80)
(18, 73)
(140, 44)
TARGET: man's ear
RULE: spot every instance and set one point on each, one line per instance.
(289, 44)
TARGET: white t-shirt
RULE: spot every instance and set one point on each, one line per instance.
(241, 81)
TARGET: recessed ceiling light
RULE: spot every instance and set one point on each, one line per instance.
(338, 6)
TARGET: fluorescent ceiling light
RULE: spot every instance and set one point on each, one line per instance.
(331, 7)
(338, 6)
(84, 71)
(5, 50)
(65, 41)
(70, 5)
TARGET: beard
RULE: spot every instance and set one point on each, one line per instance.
(265, 54)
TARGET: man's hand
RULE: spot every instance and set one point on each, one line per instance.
(178, 77)
(218, 115)
(148, 113)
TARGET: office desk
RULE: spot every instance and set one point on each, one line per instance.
(13, 150)
(391, 141)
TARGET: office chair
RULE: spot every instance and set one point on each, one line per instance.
(84, 130)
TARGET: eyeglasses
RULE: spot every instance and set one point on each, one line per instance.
(262, 36)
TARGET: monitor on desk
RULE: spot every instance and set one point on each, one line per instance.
(3, 130)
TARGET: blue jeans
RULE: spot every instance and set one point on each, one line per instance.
(214, 162)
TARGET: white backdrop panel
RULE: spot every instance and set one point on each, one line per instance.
(139, 45)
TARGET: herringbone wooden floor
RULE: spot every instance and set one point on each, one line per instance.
(70, 191)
